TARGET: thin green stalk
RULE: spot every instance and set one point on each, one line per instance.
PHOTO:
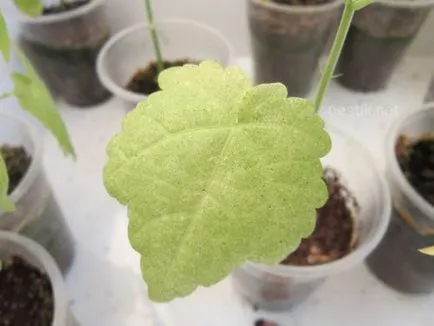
(6, 95)
(62, 3)
(335, 53)
(158, 55)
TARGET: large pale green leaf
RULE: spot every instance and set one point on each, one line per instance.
(29, 7)
(5, 204)
(4, 38)
(34, 97)
(216, 172)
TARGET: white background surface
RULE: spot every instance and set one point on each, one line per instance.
(105, 285)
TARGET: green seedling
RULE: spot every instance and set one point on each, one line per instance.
(32, 95)
(154, 35)
(216, 172)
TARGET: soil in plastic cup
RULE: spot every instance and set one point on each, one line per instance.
(377, 42)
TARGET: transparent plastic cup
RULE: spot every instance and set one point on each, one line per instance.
(12, 244)
(288, 41)
(64, 47)
(378, 40)
(37, 213)
(279, 288)
(131, 49)
(397, 261)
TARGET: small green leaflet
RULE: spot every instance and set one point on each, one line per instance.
(427, 251)
(29, 7)
(216, 172)
(360, 4)
(34, 97)
(5, 204)
(4, 38)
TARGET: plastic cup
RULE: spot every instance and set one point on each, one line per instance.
(288, 41)
(397, 261)
(64, 47)
(37, 213)
(12, 244)
(279, 288)
(378, 40)
(131, 49)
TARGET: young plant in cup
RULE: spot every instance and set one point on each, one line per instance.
(217, 172)
(27, 204)
(131, 61)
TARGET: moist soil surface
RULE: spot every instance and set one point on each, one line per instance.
(26, 295)
(145, 81)
(263, 322)
(416, 159)
(332, 238)
(302, 2)
(58, 8)
(17, 163)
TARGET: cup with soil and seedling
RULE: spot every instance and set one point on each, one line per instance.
(32, 291)
(27, 203)
(398, 260)
(378, 41)
(63, 43)
(288, 39)
(131, 61)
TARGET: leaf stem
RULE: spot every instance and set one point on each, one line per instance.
(6, 95)
(155, 40)
(335, 53)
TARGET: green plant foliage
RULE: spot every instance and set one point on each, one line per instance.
(29, 7)
(360, 4)
(216, 172)
(5, 204)
(4, 38)
(428, 251)
(35, 98)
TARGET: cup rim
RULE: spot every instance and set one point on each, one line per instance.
(54, 18)
(299, 8)
(36, 156)
(124, 93)
(397, 173)
(51, 270)
(406, 3)
(361, 252)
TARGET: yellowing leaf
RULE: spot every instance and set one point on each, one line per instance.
(4, 38)
(35, 98)
(216, 172)
(5, 204)
(428, 251)
(29, 7)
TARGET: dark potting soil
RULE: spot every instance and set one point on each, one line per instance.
(57, 9)
(302, 2)
(263, 322)
(416, 159)
(26, 295)
(333, 237)
(17, 163)
(397, 260)
(367, 63)
(145, 81)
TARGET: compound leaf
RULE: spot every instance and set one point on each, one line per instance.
(216, 172)
(5, 204)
